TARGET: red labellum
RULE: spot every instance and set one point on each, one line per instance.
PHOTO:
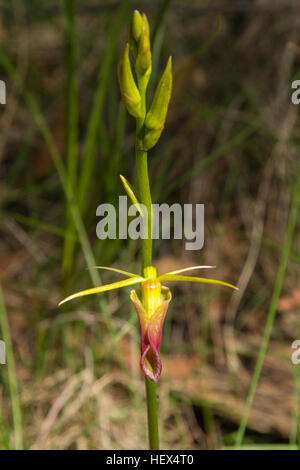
(151, 332)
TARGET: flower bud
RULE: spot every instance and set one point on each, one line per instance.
(143, 56)
(155, 118)
(129, 91)
(135, 31)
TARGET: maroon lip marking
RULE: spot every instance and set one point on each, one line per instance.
(151, 333)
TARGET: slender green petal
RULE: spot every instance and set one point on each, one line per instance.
(175, 277)
(190, 268)
(129, 190)
(118, 271)
(107, 287)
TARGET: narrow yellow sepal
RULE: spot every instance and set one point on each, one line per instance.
(129, 91)
(175, 277)
(190, 268)
(107, 287)
(116, 270)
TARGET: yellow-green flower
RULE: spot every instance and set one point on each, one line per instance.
(151, 301)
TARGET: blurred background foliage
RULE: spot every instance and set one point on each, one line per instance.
(231, 142)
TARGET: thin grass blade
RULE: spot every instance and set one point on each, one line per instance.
(12, 376)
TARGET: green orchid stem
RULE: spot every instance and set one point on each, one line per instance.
(145, 199)
(152, 411)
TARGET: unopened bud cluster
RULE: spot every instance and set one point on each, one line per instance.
(133, 90)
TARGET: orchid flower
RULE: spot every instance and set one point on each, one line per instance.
(151, 301)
